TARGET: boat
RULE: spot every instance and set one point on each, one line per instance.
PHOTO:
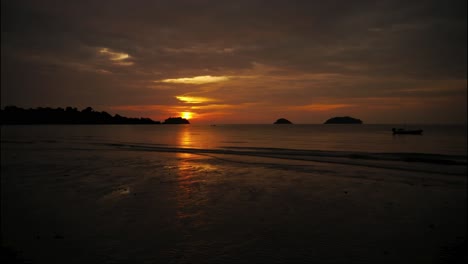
(407, 131)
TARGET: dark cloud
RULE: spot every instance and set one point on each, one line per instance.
(380, 47)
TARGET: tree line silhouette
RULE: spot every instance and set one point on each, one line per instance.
(70, 115)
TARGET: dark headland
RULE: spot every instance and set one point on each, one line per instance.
(282, 121)
(12, 115)
(343, 120)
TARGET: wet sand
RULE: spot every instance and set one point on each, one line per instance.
(114, 205)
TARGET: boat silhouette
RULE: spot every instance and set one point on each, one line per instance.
(407, 131)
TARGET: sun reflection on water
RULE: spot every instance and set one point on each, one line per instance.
(184, 138)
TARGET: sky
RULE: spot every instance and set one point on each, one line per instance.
(240, 61)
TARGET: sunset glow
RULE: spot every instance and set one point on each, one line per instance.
(279, 59)
(187, 115)
(242, 131)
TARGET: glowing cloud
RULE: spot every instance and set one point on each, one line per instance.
(114, 55)
(194, 99)
(117, 57)
(198, 79)
(216, 107)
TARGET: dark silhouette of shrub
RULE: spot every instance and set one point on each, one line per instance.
(12, 115)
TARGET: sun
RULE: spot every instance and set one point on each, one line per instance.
(187, 115)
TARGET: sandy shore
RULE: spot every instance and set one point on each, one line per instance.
(111, 205)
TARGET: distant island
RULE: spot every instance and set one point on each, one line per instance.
(13, 115)
(282, 121)
(176, 121)
(343, 120)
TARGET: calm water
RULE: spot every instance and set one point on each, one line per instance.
(436, 139)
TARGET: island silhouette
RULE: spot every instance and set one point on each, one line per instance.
(282, 121)
(176, 121)
(12, 115)
(343, 120)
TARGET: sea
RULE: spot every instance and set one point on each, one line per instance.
(233, 193)
(436, 139)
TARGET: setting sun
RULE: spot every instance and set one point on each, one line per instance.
(186, 115)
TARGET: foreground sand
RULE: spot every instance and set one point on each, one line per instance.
(112, 205)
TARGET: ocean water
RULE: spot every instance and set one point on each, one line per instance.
(437, 139)
(233, 193)
(365, 145)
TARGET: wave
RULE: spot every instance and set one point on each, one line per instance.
(419, 162)
(392, 156)
(416, 162)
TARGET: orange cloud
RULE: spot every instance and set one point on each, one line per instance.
(194, 99)
(197, 79)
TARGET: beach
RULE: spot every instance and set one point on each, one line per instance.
(100, 200)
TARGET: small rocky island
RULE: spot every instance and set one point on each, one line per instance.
(343, 120)
(176, 121)
(282, 121)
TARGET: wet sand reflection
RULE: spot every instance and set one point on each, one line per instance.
(191, 194)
